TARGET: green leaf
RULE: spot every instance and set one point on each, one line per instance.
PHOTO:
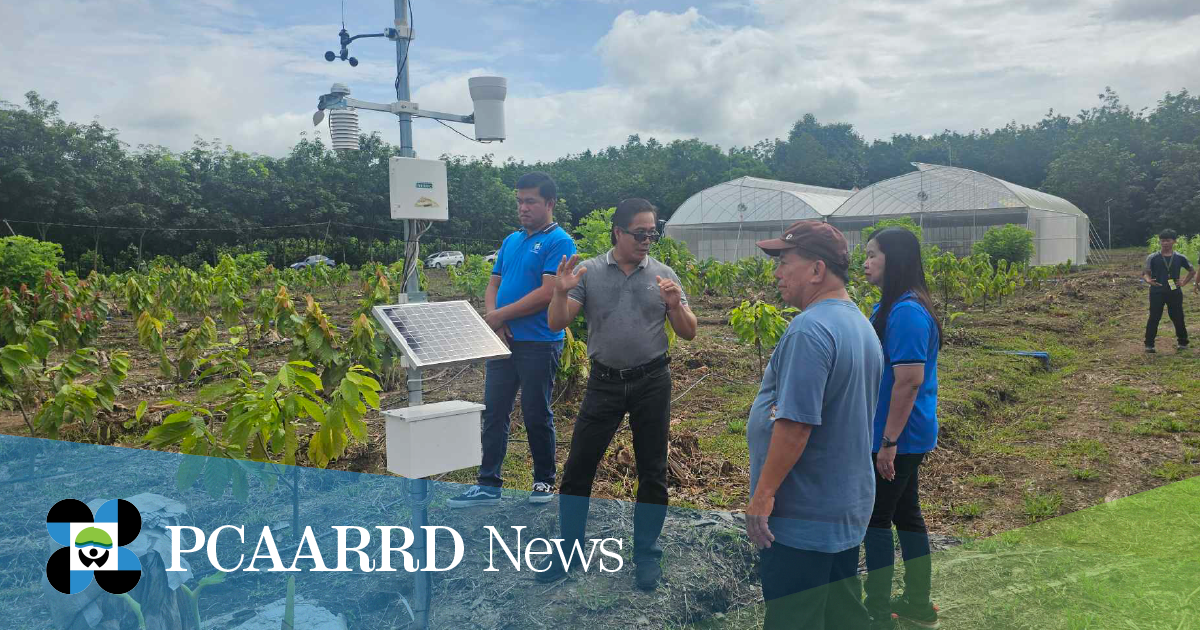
(164, 365)
(215, 578)
(216, 476)
(217, 391)
(290, 444)
(318, 449)
(370, 397)
(241, 485)
(185, 368)
(349, 392)
(285, 376)
(258, 451)
(311, 408)
(314, 381)
(315, 338)
(188, 472)
(357, 427)
(178, 416)
(166, 434)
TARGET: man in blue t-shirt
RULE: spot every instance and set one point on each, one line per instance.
(811, 481)
(1162, 271)
(521, 287)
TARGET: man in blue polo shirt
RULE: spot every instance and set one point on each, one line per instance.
(521, 287)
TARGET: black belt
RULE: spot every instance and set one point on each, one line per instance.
(629, 374)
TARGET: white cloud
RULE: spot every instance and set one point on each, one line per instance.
(916, 67)
(164, 75)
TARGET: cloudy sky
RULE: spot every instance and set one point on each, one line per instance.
(587, 73)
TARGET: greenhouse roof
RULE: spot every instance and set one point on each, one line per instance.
(752, 200)
(934, 188)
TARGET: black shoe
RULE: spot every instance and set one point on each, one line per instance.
(551, 571)
(924, 615)
(1150, 350)
(1181, 347)
(647, 574)
(884, 622)
(476, 496)
(542, 493)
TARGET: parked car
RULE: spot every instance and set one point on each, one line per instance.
(491, 257)
(313, 260)
(445, 259)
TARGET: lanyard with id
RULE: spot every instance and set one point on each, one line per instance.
(1171, 284)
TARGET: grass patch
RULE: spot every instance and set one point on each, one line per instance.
(1127, 408)
(1125, 564)
(1084, 474)
(721, 498)
(727, 445)
(1091, 449)
(1162, 425)
(1128, 393)
(1172, 471)
(1148, 428)
(1036, 424)
(983, 481)
(973, 509)
(736, 427)
(1042, 505)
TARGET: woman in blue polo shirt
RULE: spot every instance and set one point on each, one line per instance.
(905, 427)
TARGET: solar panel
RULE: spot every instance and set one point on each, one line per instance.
(439, 333)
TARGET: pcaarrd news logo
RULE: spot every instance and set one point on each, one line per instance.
(93, 546)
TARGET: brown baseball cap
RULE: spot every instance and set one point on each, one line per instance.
(816, 239)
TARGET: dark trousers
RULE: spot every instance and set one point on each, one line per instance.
(1173, 300)
(531, 369)
(605, 403)
(897, 502)
(810, 590)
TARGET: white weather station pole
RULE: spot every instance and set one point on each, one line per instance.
(418, 197)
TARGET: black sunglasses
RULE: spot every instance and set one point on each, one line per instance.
(642, 236)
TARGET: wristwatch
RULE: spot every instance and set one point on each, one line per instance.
(888, 443)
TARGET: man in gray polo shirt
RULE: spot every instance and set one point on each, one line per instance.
(626, 297)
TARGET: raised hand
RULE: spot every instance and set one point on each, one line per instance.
(671, 294)
(569, 274)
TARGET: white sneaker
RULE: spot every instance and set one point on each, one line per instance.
(476, 496)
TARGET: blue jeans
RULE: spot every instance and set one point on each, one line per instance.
(531, 369)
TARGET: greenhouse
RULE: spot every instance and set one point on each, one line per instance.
(956, 206)
(723, 222)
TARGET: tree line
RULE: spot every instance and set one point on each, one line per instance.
(1141, 166)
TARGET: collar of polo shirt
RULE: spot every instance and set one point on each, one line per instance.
(612, 261)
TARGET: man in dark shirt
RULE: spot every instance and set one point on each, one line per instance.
(1162, 271)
